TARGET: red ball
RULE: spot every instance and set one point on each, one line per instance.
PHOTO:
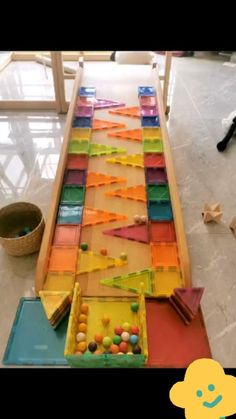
(103, 251)
(118, 330)
(134, 330)
(123, 347)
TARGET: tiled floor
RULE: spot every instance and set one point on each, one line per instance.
(202, 92)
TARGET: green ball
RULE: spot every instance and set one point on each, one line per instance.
(134, 307)
(84, 246)
(106, 342)
(116, 339)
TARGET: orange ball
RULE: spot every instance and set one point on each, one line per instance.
(103, 251)
(82, 327)
(83, 318)
(98, 338)
(84, 308)
(78, 353)
(98, 352)
(82, 346)
(114, 349)
(105, 321)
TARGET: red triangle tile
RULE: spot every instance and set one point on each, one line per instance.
(190, 297)
(136, 232)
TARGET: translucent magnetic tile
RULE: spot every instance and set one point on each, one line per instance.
(67, 235)
(87, 91)
(156, 175)
(72, 194)
(149, 111)
(148, 101)
(69, 214)
(162, 231)
(84, 111)
(75, 177)
(81, 133)
(158, 211)
(164, 254)
(154, 160)
(59, 281)
(150, 121)
(158, 193)
(63, 259)
(78, 146)
(153, 146)
(77, 161)
(146, 91)
(33, 341)
(165, 281)
(152, 133)
(82, 122)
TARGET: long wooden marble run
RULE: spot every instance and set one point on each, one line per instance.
(135, 317)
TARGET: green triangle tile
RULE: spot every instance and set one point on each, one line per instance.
(103, 150)
(132, 281)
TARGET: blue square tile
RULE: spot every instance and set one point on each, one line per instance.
(158, 211)
(150, 121)
(146, 91)
(87, 91)
(69, 214)
(82, 122)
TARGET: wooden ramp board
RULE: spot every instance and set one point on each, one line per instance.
(134, 160)
(136, 193)
(100, 179)
(89, 261)
(133, 232)
(93, 216)
(131, 134)
(100, 124)
(132, 111)
(172, 344)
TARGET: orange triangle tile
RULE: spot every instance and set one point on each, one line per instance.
(137, 193)
(93, 216)
(99, 179)
(99, 124)
(133, 111)
(131, 134)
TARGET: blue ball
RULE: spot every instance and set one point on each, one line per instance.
(133, 339)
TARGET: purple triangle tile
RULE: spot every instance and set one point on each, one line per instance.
(105, 103)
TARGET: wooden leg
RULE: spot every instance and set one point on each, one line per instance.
(59, 86)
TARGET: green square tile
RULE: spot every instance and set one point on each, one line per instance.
(78, 146)
(158, 193)
(72, 194)
(153, 146)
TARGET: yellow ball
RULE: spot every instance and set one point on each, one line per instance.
(82, 346)
(83, 318)
(126, 326)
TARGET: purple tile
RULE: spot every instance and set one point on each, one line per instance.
(75, 177)
(149, 111)
(156, 176)
(105, 103)
(86, 111)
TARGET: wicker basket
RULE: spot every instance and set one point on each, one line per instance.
(13, 219)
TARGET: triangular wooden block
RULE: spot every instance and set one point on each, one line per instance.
(134, 160)
(136, 232)
(137, 193)
(99, 124)
(93, 216)
(133, 282)
(105, 103)
(131, 134)
(53, 300)
(133, 111)
(99, 179)
(103, 150)
(89, 262)
(190, 297)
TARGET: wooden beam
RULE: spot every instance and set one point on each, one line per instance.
(66, 55)
(47, 61)
(58, 78)
(5, 61)
(42, 264)
(22, 105)
(166, 78)
(175, 201)
(69, 76)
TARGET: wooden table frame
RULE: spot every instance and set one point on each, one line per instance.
(42, 264)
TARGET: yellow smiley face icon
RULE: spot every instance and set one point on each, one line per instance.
(206, 392)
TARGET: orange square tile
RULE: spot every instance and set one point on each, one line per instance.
(164, 254)
(63, 259)
(67, 235)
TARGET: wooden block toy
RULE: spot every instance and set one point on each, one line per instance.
(233, 226)
(211, 213)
